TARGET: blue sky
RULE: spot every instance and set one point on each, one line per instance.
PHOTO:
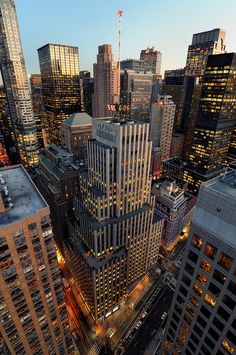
(166, 24)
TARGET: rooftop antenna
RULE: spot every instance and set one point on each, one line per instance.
(120, 14)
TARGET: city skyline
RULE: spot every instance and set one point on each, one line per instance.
(160, 22)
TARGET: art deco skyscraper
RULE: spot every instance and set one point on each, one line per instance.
(105, 81)
(215, 121)
(202, 317)
(33, 316)
(114, 236)
(59, 66)
(16, 84)
(203, 44)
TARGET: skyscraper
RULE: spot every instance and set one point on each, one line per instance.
(105, 82)
(16, 84)
(203, 45)
(215, 121)
(152, 60)
(87, 91)
(37, 100)
(162, 120)
(136, 93)
(202, 315)
(33, 316)
(59, 66)
(114, 237)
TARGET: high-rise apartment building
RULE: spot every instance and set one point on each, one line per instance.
(37, 100)
(33, 316)
(136, 93)
(152, 60)
(202, 315)
(59, 67)
(132, 64)
(16, 85)
(203, 45)
(114, 237)
(162, 120)
(105, 82)
(75, 133)
(215, 121)
(57, 178)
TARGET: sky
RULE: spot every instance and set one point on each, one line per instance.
(168, 25)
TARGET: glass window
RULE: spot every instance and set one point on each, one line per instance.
(197, 289)
(197, 241)
(201, 278)
(201, 321)
(228, 301)
(219, 276)
(214, 289)
(209, 343)
(227, 346)
(231, 337)
(192, 256)
(205, 311)
(222, 312)
(210, 300)
(186, 280)
(225, 261)
(232, 287)
(210, 251)
(206, 266)
(214, 334)
(189, 269)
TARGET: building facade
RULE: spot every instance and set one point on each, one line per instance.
(75, 133)
(59, 67)
(57, 178)
(33, 316)
(152, 60)
(16, 85)
(215, 121)
(114, 237)
(37, 100)
(203, 44)
(105, 82)
(87, 91)
(132, 64)
(202, 315)
(136, 93)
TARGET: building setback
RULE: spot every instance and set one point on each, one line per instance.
(202, 315)
(16, 85)
(59, 67)
(33, 316)
(114, 237)
(215, 121)
(105, 82)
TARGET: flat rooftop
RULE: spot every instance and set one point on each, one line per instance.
(224, 184)
(24, 195)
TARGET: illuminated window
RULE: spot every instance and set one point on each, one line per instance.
(206, 266)
(227, 347)
(201, 278)
(197, 289)
(210, 300)
(225, 261)
(197, 241)
(210, 251)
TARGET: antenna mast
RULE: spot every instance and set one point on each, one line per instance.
(120, 14)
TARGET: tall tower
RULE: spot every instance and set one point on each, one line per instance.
(202, 315)
(16, 84)
(216, 120)
(33, 316)
(203, 44)
(114, 237)
(152, 60)
(105, 81)
(59, 66)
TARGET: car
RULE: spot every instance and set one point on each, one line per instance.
(163, 315)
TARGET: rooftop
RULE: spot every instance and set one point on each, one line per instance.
(224, 184)
(78, 119)
(25, 197)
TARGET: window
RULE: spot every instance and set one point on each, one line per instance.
(186, 280)
(189, 269)
(205, 351)
(222, 312)
(218, 324)
(219, 276)
(194, 300)
(205, 266)
(227, 347)
(225, 261)
(228, 301)
(197, 289)
(198, 330)
(214, 289)
(210, 300)
(201, 321)
(194, 338)
(213, 333)
(192, 256)
(232, 287)
(201, 278)
(205, 312)
(183, 291)
(210, 251)
(231, 337)
(197, 242)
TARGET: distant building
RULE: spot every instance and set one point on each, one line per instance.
(59, 67)
(132, 64)
(37, 99)
(105, 82)
(87, 91)
(57, 179)
(33, 316)
(114, 237)
(202, 314)
(136, 93)
(152, 60)
(16, 86)
(203, 44)
(75, 133)
(174, 86)
(173, 168)
(162, 120)
(232, 147)
(215, 121)
(177, 145)
(171, 206)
